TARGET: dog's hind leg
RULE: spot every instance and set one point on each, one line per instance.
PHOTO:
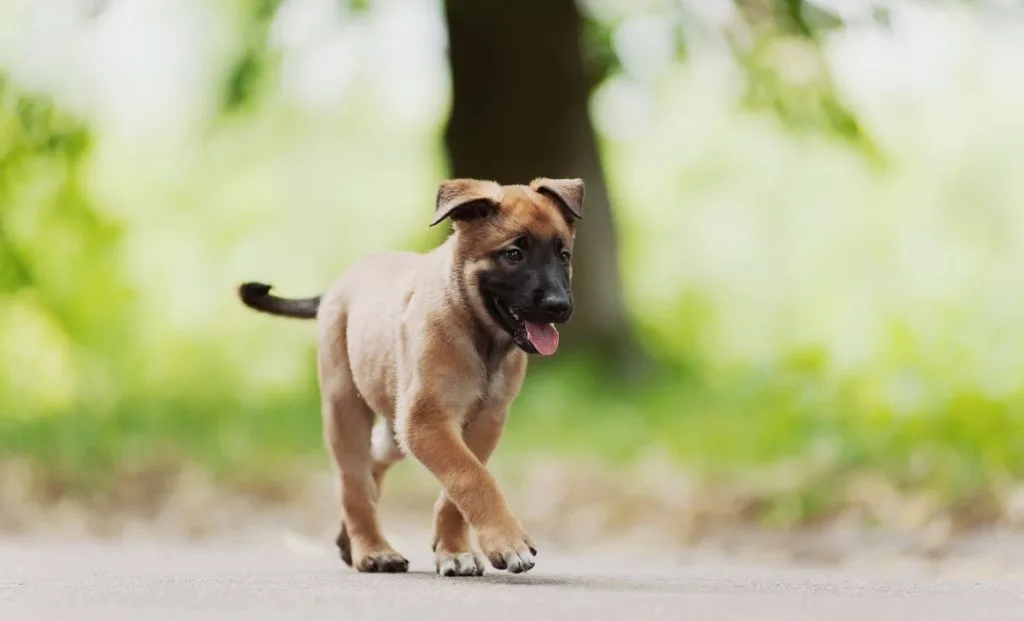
(385, 454)
(347, 422)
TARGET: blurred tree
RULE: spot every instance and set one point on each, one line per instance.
(541, 127)
(522, 76)
(520, 109)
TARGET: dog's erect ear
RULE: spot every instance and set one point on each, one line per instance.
(568, 192)
(466, 199)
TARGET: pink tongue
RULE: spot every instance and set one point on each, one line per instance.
(543, 337)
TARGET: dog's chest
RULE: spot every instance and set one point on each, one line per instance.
(494, 385)
(497, 367)
(503, 379)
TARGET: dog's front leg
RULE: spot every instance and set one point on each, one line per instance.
(435, 440)
(453, 553)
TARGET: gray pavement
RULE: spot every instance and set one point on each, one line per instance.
(224, 581)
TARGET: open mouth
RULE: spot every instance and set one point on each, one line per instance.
(531, 336)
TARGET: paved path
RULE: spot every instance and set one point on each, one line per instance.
(228, 581)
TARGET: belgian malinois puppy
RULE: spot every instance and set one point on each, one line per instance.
(436, 345)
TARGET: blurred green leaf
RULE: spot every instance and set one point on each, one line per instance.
(788, 73)
(247, 73)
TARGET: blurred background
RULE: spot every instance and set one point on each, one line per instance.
(799, 278)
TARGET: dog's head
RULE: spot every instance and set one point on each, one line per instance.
(513, 249)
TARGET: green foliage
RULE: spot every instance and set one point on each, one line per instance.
(62, 293)
(249, 70)
(777, 43)
(788, 74)
(599, 57)
(31, 131)
(255, 62)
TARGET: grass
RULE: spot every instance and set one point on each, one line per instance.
(795, 449)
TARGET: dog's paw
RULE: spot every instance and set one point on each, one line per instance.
(385, 562)
(344, 545)
(509, 549)
(458, 564)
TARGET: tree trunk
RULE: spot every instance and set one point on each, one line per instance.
(520, 110)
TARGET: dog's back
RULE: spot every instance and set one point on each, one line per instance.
(362, 312)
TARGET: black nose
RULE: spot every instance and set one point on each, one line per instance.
(555, 304)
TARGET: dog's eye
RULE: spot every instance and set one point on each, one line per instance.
(565, 256)
(513, 255)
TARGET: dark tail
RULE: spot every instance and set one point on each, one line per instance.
(257, 296)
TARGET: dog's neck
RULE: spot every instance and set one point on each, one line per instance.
(492, 348)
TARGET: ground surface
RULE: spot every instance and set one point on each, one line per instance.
(254, 580)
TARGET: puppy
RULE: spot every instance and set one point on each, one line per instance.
(436, 345)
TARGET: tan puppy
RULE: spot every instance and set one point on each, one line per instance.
(436, 344)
